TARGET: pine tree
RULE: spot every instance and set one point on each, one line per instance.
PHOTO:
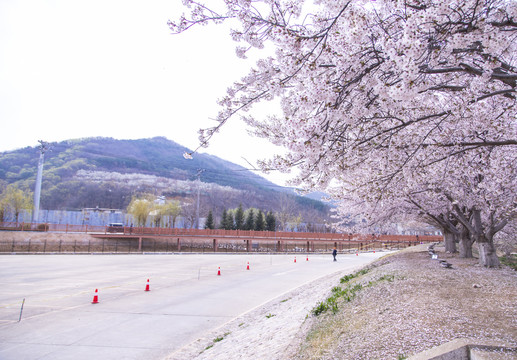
(270, 222)
(250, 221)
(239, 218)
(209, 223)
(224, 220)
(229, 222)
(260, 224)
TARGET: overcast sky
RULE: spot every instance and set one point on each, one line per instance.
(73, 69)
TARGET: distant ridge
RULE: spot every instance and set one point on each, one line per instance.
(158, 157)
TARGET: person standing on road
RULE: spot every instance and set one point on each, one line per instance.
(334, 253)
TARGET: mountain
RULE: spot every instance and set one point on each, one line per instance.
(106, 172)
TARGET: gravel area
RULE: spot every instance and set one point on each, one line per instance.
(408, 303)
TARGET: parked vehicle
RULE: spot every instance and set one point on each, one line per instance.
(115, 227)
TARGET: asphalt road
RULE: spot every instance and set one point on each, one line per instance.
(186, 298)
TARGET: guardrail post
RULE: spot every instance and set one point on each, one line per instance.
(215, 245)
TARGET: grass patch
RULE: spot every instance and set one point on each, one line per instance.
(349, 277)
(348, 293)
(219, 338)
(510, 261)
(270, 315)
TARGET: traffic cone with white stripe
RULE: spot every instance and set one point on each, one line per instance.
(147, 286)
(219, 271)
(295, 259)
(248, 267)
(95, 297)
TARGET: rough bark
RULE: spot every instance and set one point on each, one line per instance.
(465, 245)
(487, 254)
(450, 239)
(466, 248)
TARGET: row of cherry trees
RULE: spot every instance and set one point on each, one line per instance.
(398, 109)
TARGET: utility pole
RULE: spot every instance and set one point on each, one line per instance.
(43, 148)
(199, 172)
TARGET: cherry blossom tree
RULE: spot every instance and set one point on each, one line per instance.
(472, 200)
(382, 100)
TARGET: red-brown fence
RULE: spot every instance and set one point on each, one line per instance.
(218, 233)
(137, 239)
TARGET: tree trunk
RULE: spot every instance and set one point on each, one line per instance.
(450, 241)
(466, 243)
(487, 254)
(465, 248)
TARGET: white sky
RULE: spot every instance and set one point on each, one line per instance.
(73, 69)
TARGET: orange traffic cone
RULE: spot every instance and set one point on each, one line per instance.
(248, 267)
(295, 259)
(95, 297)
(356, 254)
(307, 258)
(147, 286)
(219, 271)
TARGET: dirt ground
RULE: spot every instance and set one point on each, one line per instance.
(22, 241)
(418, 305)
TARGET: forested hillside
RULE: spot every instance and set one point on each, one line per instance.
(107, 173)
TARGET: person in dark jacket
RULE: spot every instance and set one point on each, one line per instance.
(334, 253)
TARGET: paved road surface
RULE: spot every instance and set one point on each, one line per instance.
(187, 298)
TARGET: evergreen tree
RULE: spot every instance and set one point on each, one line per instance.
(229, 222)
(270, 222)
(250, 221)
(260, 224)
(239, 218)
(224, 220)
(209, 223)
